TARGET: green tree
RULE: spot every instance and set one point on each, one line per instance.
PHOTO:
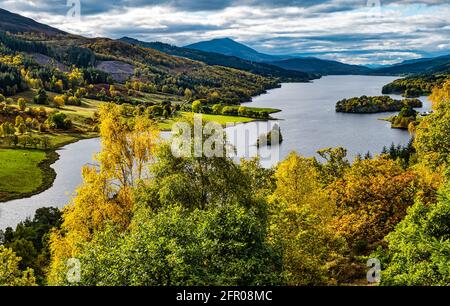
(418, 250)
(224, 245)
(41, 97)
(197, 106)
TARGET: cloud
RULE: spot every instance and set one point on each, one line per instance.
(336, 29)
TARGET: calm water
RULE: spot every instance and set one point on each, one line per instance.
(68, 176)
(308, 123)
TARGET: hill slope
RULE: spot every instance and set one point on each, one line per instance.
(230, 47)
(324, 67)
(15, 23)
(433, 65)
(212, 58)
(312, 65)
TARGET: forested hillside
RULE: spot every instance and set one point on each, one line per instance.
(213, 58)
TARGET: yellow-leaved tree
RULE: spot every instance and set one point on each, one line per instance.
(105, 197)
(10, 274)
(433, 133)
(300, 215)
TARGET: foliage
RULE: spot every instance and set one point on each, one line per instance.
(220, 246)
(300, 214)
(378, 104)
(11, 81)
(41, 97)
(433, 133)
(30, 241)
(415, 86)
(371, 198)
(418, 248)
(10, 274)
(58, 121)
(125, 151)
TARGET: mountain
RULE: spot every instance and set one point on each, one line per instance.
(230, 47)
(439, 64)
(313, 65)
(213, 58)
(15, 23)
(323, 67)
(105, 60)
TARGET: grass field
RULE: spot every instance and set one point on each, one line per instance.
(22, 172)
(166, 125)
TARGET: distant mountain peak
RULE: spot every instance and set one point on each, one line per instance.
(228, 46)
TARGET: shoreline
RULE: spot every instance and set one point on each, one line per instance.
(48, 173)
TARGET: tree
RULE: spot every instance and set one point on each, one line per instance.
(197, 182)
(300, 215)
(177, 246)
(105, 197)
(195, 221)
(217, 109)
(418, 249)
(187, 94)
(242, 111)
(10, 274)
(197, 106)
(41, 97)
(58, 121)
(371, 198)
(59, 101)
(336, 163)
(213, 97)
(22, 104)
(125, 149)
(22, 128)
(19, 120)
(433, 133)
(6, 129)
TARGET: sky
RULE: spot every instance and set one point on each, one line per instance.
(352, 31)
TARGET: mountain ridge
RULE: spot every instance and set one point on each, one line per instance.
(228, 46)
(15, 23)
(213, 58)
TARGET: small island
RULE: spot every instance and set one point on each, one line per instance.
(273, 137)
(407, 117)
(378, 104)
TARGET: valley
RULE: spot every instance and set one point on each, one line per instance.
(327, 163)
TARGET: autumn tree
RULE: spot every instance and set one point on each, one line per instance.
(197, 106)
(196, 221)
(106, 195)
(300, 215)
(59, 101)
(10, 274)
(433, 133)
(21, 103)
(371, 198)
